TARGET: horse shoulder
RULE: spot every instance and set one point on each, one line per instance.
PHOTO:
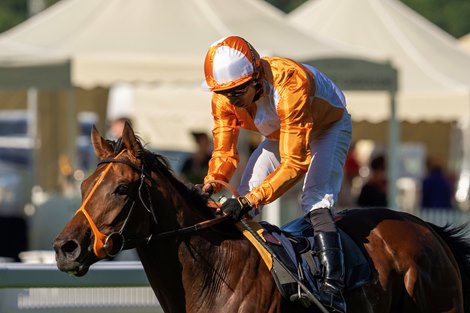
(225, 273)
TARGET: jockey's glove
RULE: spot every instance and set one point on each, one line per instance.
(204, 192)
(236, 207)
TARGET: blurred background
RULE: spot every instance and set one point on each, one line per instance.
(70, 64)
(67, 65)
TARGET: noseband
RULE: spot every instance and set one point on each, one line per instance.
(115, 242)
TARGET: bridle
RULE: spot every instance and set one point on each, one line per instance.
(112, 244)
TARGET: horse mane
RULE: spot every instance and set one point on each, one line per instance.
(160, 165)
(455, 238)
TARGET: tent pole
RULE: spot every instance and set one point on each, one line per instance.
(73, 126)
(393, 154)
(32, 105)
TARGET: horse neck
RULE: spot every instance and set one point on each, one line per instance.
(162, 258)
(185, 269)
(159, 257)
(161, 265)
(176, 205)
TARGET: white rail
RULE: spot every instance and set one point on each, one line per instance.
(109, 287)
(103, 274)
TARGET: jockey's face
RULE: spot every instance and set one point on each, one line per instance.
(241, 96)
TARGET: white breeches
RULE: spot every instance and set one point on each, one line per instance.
(322, 182)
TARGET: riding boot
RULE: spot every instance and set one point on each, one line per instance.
(328, 248)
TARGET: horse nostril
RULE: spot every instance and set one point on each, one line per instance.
(70, 249)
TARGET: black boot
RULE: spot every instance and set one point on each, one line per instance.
(328, 248)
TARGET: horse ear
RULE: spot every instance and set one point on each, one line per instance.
(129, 139)
(102, 148)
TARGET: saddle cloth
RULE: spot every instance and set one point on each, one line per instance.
(293, 246)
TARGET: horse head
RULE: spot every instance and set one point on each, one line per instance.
(116, 211)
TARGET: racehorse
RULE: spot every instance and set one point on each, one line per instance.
(133, 200)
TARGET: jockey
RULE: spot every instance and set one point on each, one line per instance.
(307, 132)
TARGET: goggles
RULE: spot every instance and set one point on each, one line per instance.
(235, 92)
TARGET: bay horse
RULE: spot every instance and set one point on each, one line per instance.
(133, 200)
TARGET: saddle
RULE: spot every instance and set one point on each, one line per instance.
(289, 253)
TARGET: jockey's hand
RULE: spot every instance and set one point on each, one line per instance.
(208, 188)
(204, 192)
(236, 207)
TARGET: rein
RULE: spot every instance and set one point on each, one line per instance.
(204, 224)
(110, 245)
(193, 228)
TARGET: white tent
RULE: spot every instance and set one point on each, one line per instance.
(434, 84)
(90, 43)
(103, 42)
(75, 50)
(434, 80)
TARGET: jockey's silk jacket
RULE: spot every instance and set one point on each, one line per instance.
(297, 102)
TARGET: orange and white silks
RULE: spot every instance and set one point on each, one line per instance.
(296, 104)
(99, 237)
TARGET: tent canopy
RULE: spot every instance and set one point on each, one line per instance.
(162, 44)
(88, 43)
(433, 69)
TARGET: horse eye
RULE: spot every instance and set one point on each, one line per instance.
(122, 190)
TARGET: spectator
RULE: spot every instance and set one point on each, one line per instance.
(195, 167)
(436, 188)
(374, 192)
(351, 171)
(116, 126)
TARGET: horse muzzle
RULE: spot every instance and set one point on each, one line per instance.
(70, 259)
